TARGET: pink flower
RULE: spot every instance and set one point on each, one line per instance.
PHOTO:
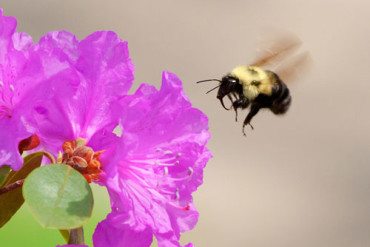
(156, 166)
(151, 171)
(71, 95)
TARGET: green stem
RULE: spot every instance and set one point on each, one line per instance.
(76, 236)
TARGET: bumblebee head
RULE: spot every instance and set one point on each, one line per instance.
(228, 85)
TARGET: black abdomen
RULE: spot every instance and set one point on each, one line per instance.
(281, 98)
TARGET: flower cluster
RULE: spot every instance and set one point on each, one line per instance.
(68, 97)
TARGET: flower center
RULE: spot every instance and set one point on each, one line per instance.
(82, 158)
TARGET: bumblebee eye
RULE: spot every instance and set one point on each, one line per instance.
(233, 80)
(229, 80)
(255, 83)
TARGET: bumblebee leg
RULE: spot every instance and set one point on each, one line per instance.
(254, 110)
(235, 106)
(230, 98)
(240, 103)
(223, 104)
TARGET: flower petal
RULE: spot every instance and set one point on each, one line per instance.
(9, 154)
(81, 97)
(159, 161)
(17, 71)
(106, 65)
(115, 234)
(7, 28)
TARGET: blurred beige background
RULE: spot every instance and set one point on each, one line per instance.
(299, 180)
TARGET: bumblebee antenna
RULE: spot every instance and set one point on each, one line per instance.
(209, 80)
(213, 89)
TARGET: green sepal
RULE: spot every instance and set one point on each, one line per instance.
(58, 196)
(12, 200)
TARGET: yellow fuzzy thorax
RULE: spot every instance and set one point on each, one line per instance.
(247, 75)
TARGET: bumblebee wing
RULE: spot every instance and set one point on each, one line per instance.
(278, 50)
(295, 68)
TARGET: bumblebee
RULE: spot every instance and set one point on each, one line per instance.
(257, 88)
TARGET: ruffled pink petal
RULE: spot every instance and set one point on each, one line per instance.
(117, 234)
(22, 41)
(18, 76)
(81, 96)
(8, 25)
(159, 161)
(106, 65)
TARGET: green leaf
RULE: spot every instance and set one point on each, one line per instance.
(11, 201)
(58, 196)
(4, 172)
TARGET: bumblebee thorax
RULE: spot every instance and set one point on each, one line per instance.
(247, 74)
(254, 81)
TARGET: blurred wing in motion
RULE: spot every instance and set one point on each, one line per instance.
(280, 49)
(295, 68)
